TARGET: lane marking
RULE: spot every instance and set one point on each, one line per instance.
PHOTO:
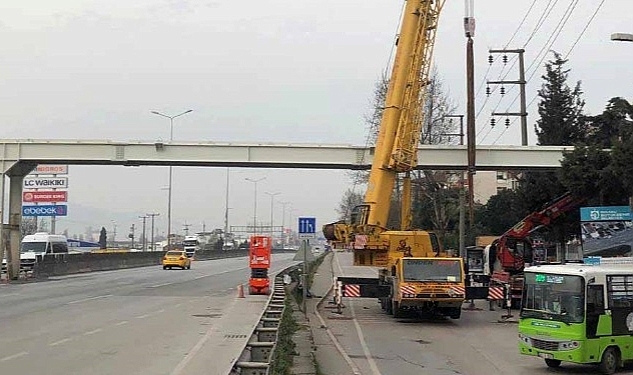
(363, 343)
(159, 285)
(18, 355)
(142, 316)
(9, 294)
(178, 305)
(92, 332)
(121, 323)
(337, 344)
(89, 299)
(59, 342)
(192, 353)
(160, 311)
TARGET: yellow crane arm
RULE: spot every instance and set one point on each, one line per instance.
(403, 115)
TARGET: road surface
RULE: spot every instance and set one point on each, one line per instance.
(135, 321)
(378, 344)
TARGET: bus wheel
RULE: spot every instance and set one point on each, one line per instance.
(609, 362)
(552, 362)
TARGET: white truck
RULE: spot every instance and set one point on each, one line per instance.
(191, 244)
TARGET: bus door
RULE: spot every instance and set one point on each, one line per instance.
(595, 308)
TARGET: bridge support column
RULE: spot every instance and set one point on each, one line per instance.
(15, 219)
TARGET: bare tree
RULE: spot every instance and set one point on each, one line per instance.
(350, 200)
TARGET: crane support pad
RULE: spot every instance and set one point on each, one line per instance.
(476, 292)
(358, 280)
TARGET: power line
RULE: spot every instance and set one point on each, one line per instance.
(585, 29)
(520, 24)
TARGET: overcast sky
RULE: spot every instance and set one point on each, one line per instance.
(259, 71)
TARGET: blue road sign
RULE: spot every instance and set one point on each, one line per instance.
(605, 213)
(307, 227)
(45, 210)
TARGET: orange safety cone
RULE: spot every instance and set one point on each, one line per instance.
(240, 291)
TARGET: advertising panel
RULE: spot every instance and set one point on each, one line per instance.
(606, 231)
(45, 210)
(51, 169)
(44, 196)
(45, 182)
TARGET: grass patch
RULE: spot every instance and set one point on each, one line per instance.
(296, 275)
(285, 349)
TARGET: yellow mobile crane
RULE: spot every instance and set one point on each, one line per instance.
(414, 274)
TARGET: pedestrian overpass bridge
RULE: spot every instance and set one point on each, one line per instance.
(20, 157)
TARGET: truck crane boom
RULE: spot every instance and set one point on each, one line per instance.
(401, 122)
(414, 272)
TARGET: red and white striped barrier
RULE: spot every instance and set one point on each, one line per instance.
(351, 290)
(495, 293)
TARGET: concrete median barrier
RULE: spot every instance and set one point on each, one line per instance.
(66, 264)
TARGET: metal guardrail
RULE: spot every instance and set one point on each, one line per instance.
(258, 352)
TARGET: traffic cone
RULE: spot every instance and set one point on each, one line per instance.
(240, 291)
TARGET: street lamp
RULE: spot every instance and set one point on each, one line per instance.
(255, 201)
(171, 138)
(283, 222)
(622, 37)
(272, 199)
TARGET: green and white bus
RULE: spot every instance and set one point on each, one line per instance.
(579, 312)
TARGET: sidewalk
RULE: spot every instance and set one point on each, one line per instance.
(328, 358)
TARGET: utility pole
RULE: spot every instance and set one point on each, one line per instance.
(186, 228)
(153, 244)
(462, 191)
(469, 29)
(272, 200)
(144, 239)
(132, 236)
(226, 204)
(521, 82)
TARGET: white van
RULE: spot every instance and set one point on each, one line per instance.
(40, 244)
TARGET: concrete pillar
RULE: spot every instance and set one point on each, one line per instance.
(15, 219)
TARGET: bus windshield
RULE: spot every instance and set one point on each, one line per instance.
(553, 297)
(432, 270)
(37, 247)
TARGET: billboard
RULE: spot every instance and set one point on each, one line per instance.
(44, 196)
(606, 231)
(51, 169)
(45, 210)
(45, 182)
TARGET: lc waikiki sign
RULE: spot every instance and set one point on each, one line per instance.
(45, 182)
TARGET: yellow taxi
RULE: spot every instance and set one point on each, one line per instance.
(176, 258)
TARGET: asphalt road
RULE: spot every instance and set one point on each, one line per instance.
(135, 321)
(476, 344)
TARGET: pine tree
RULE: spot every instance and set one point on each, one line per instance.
(561, 120)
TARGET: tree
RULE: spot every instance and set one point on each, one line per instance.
(103, 238)
(350, 200)
(28, 225)
(561, 120)
(501, 212)
(612, 125)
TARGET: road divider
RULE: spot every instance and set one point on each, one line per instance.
(66, 264)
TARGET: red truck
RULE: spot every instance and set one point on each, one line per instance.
(260, 248)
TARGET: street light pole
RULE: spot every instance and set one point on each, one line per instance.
(255, 201)
(272, 199)
(171, 138)
(283, 222)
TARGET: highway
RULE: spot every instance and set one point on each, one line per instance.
(378, 344)
(134, 321)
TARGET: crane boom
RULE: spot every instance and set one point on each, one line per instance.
(403, 115)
